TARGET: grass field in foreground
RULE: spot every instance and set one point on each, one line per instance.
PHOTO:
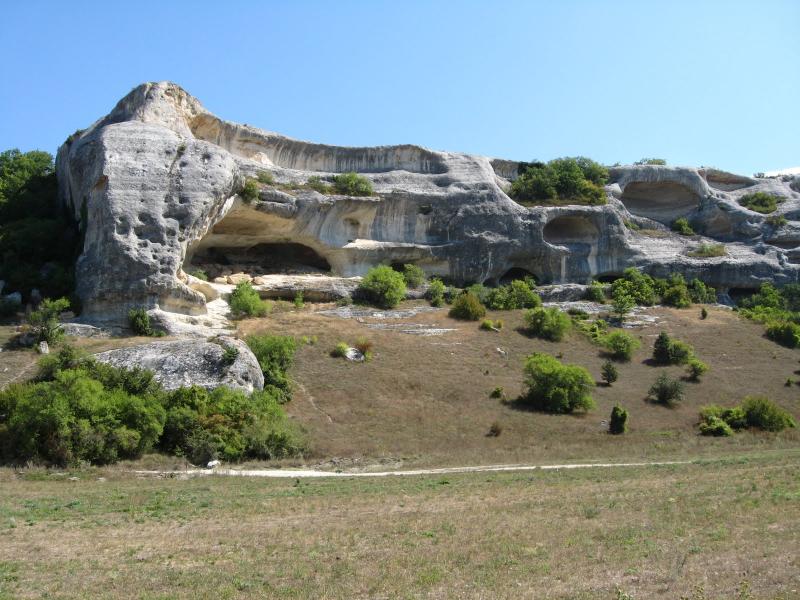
(731, 527)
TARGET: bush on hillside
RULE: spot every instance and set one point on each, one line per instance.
(716, 427)
(696, 368)
(761, 202)
(435, 293)
(666, 390)
(413, 275)
(561, 181)
(44, 320)
(667, 351)
(275, 355)
(139, 321)
(245, 302)
(467, 307)
(517, 294)
(609, 372)
(620, 345)
(383, 287)
(548, 323)
(352, 184)
(682, 226)
(786, 333)
(651, 161)
(554, 387)
(249, 191)
(595, 293)
(763, 413)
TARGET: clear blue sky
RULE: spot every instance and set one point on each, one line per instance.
(713, 83)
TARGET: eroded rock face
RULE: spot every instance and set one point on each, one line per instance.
(186, 363)
(155, 185)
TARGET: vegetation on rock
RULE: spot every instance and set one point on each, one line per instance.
(561, 181)
(245, 302)
(383, 287)
(761, 202)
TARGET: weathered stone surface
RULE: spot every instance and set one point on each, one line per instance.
(192, 362)
(155, 184)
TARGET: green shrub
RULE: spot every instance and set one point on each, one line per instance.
(785, 333)
(497, 392)
(413, 275)
(622, 304)
(609, 372)
(560, 181)
(517, 294)
(618, 423)
(548, 323)
(487, 325)
(275, 355)
(139, 321)
(637, 285)
(435, 292)
(316, 183)
(701, 293)
(595, 293)
(677, 296)
(651, 161)
(734, 417)
(467, 307)
(682, 226)
(352, 184)
(298, 300)
(666, 391)
(667, 351)
(229, 355)
(199, 274)
(763, 413)
(266, 178)
(383, 287)
(761, 202)
(703, 313)
(708, 251)
(556, 388)
(776, 221)
(620, 345)
(245, 302)
(696, 368)
(249, 191)
(716, 427)
(228, 424)
(340, 350)
(44, 320)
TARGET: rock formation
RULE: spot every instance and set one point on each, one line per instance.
(154, 185)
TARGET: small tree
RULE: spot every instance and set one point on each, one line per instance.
(620, 345)
(618, 423)
(383, 287)
(352, 184)
(139, 321)
(661, 348)
(44, 320)
(245, 302)
(609, 372)
(622, 304)
(548, 323)
(666, 391)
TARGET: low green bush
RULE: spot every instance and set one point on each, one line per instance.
(249, 191)
(776, 220)
(763, 413)
(666, 390)
(651, 161)
(266, 178)
(352, 184)
(340, 350)
(413, 275)
(708, 251)
(561, 181)
(139, 321)
(639, 286)
(620, 345)
(786, 333)
(703, 313)
(229, 355)
(515, 295)
(435, 293)
(199, 274)
(618, 423)
(716, 427)
(383, 287)
(696, 369)
(316, 183)
(245, 302)
(467, 307)
(609, 372)
(761, 202)
(275, 355)
(701, 293)
(554, 387)
(667, 351)
(595, 293)
(682, 226)
(548, 323)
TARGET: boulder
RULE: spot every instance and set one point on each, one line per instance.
(238, 278)
(156, 183)
(185, 363)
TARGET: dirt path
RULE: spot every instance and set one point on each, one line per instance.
(309, 473)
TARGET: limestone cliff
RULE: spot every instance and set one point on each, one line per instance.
(155, 185)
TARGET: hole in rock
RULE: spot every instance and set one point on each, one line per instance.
(515, 273)
(262, 259)
(663, 201)
(571, 230)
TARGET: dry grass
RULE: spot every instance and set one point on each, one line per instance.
(653, 532)
(426, 400)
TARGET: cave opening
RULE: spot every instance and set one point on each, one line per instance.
(517, 273)
(570, 230)
(286, 258)
(660, 201)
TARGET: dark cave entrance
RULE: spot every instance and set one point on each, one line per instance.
(516, 273)
(287, 258)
